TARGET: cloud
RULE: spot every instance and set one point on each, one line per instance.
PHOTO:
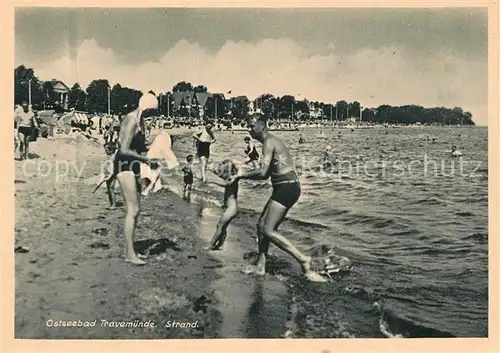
(387, 75)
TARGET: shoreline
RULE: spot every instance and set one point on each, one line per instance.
(73, 269)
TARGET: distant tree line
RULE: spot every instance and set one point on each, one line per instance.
(94, 99)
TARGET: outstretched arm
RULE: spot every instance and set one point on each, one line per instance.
(261, 173)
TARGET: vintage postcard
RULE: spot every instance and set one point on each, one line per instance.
(314, 176)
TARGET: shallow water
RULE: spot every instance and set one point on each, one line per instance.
(413, 221)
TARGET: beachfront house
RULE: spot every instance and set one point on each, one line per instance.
(61, 91)
(192, 104)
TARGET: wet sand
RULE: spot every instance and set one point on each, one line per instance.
(74, 269)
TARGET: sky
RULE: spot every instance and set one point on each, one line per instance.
(428, 57)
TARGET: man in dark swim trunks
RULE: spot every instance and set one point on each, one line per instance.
(26, 125)
(204, 139)
(276, 163)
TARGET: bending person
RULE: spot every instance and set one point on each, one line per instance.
(277, 163)
(203, 141)
(127, 166)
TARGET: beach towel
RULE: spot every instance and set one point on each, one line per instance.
(161, 148)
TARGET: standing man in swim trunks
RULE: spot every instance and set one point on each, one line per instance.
(203, 141)
(25, 128)
(251, 152)
(276, 163)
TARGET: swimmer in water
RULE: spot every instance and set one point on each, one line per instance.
(251, 152)
(454, 152)
(301, 139)
(188, 177)
(225, 171)
(277, 163)
(328, 158)
(339, 134)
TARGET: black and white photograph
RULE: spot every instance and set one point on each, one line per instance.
(280, 173)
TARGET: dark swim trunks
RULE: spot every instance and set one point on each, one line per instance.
(286, 189)
(203, 149)
(26, 131)
(188, 179)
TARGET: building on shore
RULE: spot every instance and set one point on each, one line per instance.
(61, 91)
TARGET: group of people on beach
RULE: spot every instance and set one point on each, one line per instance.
(276, 163)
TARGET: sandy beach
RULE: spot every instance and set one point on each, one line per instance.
(73, 269)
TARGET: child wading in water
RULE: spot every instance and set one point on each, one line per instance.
(225, 171)
(251, 152)
(188, 177)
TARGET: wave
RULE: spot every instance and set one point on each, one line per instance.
(374, 222)
(464, 214)
(431, 201)
(480, 237)
(411, 231)
(396, 326)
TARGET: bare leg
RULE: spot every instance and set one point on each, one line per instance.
(221, 231)
(110, 184)
(264, 241)
(274, 216)
(26, 146)
(22, 138)
(131, 196)
(203, 161)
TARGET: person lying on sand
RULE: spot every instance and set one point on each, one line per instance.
(225, 171)
(276, 163)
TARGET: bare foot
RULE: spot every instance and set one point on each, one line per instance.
(253, 270)
(310, 274)
(136, 261)
(211, 248)
(111, 208)
(314, 276)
